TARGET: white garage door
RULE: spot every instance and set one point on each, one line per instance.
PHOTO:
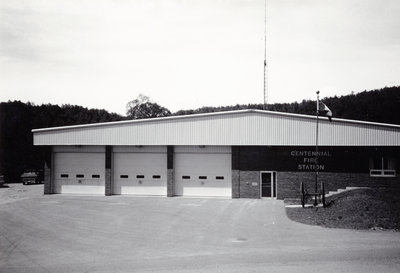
(140, 170)
(79, 171)
(203, 171)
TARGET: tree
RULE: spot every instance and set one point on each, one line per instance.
(143, 107)
(17, 119)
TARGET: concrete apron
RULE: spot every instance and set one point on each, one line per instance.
(59, 233)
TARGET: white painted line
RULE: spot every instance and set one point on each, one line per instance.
(300, 206)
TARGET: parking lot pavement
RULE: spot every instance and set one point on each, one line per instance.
(16, 191)
(60, 233)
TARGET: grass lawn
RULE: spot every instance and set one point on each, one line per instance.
(377, 208)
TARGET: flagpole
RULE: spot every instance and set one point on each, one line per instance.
(316, 154)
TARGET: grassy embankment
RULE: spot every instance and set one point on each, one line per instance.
(376, 209)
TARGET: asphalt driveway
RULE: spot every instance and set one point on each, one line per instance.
(60, 233)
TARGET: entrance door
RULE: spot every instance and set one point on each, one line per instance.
(268, 184)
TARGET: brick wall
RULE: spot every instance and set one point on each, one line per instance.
(249, 184)
(108, 183)
(235, 184)
(170, 182)
(47, 179)
(48, 172)
(170, 171)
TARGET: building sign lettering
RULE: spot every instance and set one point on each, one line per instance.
(308, 159)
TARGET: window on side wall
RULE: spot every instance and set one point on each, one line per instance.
(382, 166)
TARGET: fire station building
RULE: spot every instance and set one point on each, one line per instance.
(234, 154)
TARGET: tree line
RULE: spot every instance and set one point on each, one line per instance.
(380, 105)
(17, 119)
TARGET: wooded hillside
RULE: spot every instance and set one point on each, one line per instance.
(382, 105)
(17, 119)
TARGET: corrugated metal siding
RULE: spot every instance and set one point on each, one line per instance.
(79, 149)
(139, 149)
(203, 149)
(244, 128)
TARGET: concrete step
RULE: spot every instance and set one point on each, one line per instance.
(332, 193)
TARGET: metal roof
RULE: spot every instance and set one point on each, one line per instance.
(242, 127)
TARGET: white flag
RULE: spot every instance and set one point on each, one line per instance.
(325, 111)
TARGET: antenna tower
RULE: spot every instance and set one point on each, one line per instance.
(265, 106)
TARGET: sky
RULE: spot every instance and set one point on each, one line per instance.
(185, 54)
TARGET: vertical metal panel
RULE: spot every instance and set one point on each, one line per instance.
(203, 149)
(244, 128)
(140, 149)
(79, 148)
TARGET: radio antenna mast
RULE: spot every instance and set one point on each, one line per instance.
(265, 106)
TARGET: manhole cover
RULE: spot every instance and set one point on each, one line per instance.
(239, 240)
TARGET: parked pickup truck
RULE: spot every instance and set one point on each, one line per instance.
(32, 177)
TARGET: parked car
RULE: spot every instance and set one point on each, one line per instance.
(1, 180)
(32, 177)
